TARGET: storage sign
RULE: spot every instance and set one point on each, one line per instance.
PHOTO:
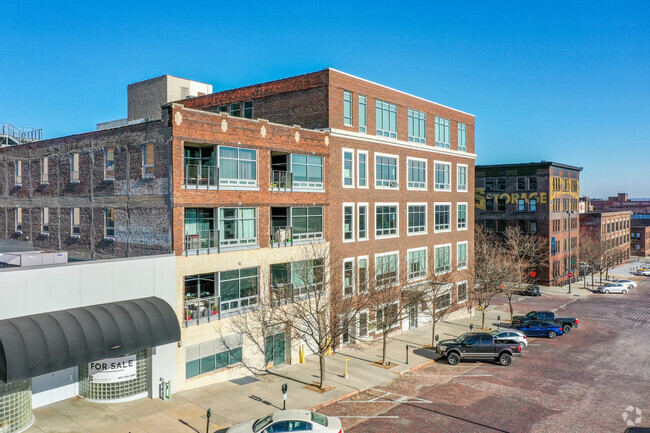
(113, 370)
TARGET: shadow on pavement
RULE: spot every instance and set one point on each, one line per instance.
(186, 424)
(429, 353)
(261, 400)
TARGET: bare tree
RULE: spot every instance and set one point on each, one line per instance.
(590, 251)
(490, 269)
(525, 252)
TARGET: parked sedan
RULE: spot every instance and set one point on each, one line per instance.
(510, 335)
(643, 272)
(613, 288)
(532, 290)
(628, 283)
(540, 329)
(289, 421)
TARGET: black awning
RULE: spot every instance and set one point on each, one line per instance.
(47, 342)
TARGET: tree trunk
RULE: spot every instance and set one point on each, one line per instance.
(433, 333)
(510, 305)
(384, 339)
(483, 318)
(321, 360)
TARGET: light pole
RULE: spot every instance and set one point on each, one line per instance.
(569, 213)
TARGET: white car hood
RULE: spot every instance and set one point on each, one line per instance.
(243, 427)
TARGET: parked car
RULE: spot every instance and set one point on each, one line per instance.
(511, 335)
(629, 283)
(612, 288)
(643, 272)
(478, 346)
(532, 290)
(537, 328)
(566, 323)
(290, 421)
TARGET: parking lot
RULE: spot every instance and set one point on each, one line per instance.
(596, 379)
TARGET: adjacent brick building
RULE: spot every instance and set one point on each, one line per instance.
(613, 231)
(640, 237)
(540, 198)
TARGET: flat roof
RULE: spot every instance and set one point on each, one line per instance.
(530, 164)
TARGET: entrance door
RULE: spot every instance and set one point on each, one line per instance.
(275, 349)
(413, 317)
(52, 387)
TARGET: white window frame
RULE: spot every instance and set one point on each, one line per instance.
(354, 289)
(45, 171)
(366, 186)
(106, 235)
(435, 186)
(446, 124)
(458, 265)
(359, 206)
(462, 127)
(426, 176)
(18, 220)
(388, 155)
(74, 161)
(458, 283)
(435, 255)
(367, 313)
(146, 166)
(418, 116)
(45, 221)
(239, 183)
(389, 253)
(458, 188)
(18, 173)
(385, 105)
(343, 177)
(458, 227)
(396, 235)
(347, 102)
(73, 225)
(353, 225)
(446, 291)
(367, 259)
(408, 264)
(363, 126)
(435, 230)
(426, 218)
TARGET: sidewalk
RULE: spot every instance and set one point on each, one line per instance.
(253, 397)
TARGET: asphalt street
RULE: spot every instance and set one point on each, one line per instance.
(594, 379)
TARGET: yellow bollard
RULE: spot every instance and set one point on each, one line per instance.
(329, 349)
(345, 375)
(302, 354)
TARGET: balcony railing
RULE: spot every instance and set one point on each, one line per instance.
(281, 180)
(286, 293)
(213, 241)
(281, 236)
(200, 175)
(202, 310)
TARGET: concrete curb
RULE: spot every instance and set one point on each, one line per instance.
(334, 400)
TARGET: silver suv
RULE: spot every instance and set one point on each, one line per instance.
(510, 335)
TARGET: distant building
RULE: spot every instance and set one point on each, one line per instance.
(538, 197)
(613, 230)
(640, 237)
(585, 205)
(621, 202)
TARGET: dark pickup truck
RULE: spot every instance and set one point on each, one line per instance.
(478, 346)
(566, 323)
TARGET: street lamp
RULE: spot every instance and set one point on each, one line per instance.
(569, 213)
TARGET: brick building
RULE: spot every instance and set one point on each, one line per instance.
(613, 231)
(236, 183)
(640, 237)
(538, 197)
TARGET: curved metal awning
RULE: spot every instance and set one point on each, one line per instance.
(47, 342)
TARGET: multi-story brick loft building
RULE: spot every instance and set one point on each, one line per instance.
(613, 231)
(540, 198)
(238, 183)
(640, 237)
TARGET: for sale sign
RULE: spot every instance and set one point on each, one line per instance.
(113, 370)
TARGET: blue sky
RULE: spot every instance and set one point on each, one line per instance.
(562, 81)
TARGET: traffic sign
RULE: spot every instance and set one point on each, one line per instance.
(570, 274)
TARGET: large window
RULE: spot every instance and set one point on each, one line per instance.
(362, 114)
(45, 221)
(442, 132)
(45, 178)
(200, 228)
(442, 172)
(462, 137)
(417, 264)
(461, 210)
(348, 168)
(237, 226)
(442, 259)
(386, 171)
(237, 166)
(443, 301)
(386, 220)
(532, 205)
(362, 281)
(442, 217)
(386, 267)
(74, 167)
(417, 173)
(521, 205)
(348, 277)
(461, 178)
(307, 171)
(109, 164)
(461, 258)
(347, 108)
(18, 173)
(417, 218)
(462, 292)
(213, 355)
(109, 223)
(296, 279)
(75, 222)
(362, 221)
(307, 222)
(417, 126)
(386, 119)
(362, 169)
(238, 289)
(148, 160)
(19, 220)
(348, 222)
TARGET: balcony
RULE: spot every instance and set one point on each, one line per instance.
(290, 172)
(296, 225)
(201, 176)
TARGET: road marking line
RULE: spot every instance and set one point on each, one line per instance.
(454, 375)
(368, 417)
(384, 398)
